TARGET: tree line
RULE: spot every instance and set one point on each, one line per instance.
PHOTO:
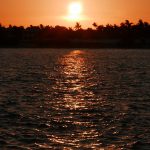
(127, 34)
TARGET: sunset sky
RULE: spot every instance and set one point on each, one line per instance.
(60, 12)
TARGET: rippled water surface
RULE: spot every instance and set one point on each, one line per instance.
(67, 99)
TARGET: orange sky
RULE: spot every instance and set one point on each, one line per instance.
(52, 12)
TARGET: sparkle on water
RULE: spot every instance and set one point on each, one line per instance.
(74, 99)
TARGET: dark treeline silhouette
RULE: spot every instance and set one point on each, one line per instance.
(125, 35)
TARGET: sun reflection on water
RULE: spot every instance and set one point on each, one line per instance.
(76, 78)
(80, 112)
(76, 72)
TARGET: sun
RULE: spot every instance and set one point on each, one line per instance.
(75, 10)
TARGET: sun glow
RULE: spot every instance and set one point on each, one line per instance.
(75, 10)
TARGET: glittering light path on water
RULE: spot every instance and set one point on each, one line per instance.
(74, 99)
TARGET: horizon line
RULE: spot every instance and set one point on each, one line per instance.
(112, 24)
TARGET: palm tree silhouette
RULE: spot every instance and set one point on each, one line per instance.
(95, 25)
(77, 26)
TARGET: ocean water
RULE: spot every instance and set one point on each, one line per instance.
(74, 99)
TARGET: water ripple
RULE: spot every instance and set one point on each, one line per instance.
(74, 99)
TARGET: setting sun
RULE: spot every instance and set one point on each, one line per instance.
(75, 10)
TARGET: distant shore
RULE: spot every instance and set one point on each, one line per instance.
(110, 43)
(125, 35)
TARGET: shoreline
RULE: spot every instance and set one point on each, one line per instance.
(105, 43)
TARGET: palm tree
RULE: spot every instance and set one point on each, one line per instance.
(140, 23)
(77, 26)
(128, 24)
(95, 25)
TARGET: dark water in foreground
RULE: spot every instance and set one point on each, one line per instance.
(74, 99)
